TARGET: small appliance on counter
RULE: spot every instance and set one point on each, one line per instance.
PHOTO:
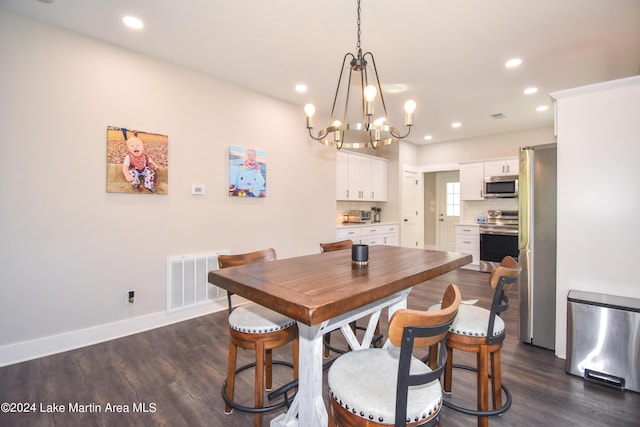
(357, 217)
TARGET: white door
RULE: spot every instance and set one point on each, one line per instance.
(448, 208)
(411, 230)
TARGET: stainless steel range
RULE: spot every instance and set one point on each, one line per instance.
(498, 238)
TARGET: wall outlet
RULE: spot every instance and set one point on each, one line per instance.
(130, 296)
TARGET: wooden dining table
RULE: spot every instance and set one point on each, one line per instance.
(325, 292)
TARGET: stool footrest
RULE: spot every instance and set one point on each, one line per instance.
(252, 410)
(475, 412)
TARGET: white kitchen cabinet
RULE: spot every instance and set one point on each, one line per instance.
(342, 176)
(380, 234)
(379, 180)
(471, 180)
(351, 233)
(468, 242)
(360, 178)
(502, 167)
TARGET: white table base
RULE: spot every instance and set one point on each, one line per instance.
(308, 407)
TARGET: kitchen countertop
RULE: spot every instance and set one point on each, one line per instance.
(365, 224)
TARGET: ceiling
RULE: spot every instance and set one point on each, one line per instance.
(450, 54)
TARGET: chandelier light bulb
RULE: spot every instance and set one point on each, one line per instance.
(309, 110)
(410, 106)
(337, 135)
(370, 93)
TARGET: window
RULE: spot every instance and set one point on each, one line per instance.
(453, 199)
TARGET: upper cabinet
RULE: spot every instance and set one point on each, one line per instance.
(472, 175)
(471, 179)
(379, 180)
(502, 167)
(360, 178)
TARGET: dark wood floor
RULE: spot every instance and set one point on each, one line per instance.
(175, 373)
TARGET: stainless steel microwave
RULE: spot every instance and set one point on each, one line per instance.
(496, 187)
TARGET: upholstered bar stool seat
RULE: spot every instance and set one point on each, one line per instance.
(391, 386)
(374, 399)
(256, 319)
(472, 321)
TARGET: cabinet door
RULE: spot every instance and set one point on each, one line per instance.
(471, 179)
(494, 168)
(501, 167)
(513, 166)
(359, 178)
(378, 180)
(342, 176)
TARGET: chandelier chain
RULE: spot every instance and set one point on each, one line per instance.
(358, 26)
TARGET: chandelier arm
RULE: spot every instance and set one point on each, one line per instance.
(348, 96)
(319, 137)
(375, 71)
(335, 98)
(398, 136)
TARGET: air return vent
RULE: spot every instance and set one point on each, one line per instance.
(187, 281)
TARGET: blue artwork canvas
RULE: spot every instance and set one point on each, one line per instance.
(247, 172)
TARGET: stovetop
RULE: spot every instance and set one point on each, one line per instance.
(501, 220)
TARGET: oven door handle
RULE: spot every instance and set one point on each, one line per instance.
(500, 232)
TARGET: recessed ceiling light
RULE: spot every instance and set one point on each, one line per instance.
(512, 63)
(456, 124)
(395, 87)
(530, 90)
(132, 22)
(428, 137)
(542, 108)
(301, 88)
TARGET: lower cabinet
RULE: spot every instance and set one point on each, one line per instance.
(468, 242)
(382, 234)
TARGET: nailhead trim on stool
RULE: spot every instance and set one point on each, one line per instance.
(472, 321)
(256, 319)
(375, 398)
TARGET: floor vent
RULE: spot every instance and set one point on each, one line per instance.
(187, 284)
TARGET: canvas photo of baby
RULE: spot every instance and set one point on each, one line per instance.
(137, 162)
(247, 172)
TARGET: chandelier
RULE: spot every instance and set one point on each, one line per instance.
(355, 126)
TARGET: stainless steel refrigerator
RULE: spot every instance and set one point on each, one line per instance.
(537, 244)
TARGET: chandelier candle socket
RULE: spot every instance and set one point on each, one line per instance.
(348, 129)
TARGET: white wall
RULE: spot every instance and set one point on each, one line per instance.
(481, 148)
(598, 193)
(69, 248)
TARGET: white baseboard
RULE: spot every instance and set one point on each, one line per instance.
(33, 349)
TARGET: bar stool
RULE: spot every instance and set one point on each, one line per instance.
(481, 331)
(391, 386)
(254, 327)
(377, 337)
